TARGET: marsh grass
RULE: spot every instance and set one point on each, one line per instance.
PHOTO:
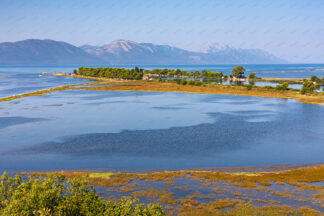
(314, 98)
(238, 186)
(144, 85)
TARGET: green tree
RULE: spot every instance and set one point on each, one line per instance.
(249, 86)
(252, 76)
(183, 82)
(283, 86)
(54, 195)
(309, 87)
(196, 74)
(238, 71)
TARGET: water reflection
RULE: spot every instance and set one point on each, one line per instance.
(143, 130)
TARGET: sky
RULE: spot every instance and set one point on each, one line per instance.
(290, 29)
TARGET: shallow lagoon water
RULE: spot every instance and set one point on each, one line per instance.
(149, 130)
(153, 130)
(12, 83)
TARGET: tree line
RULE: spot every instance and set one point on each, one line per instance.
(137, 73)
(183, 73)
(113, 73)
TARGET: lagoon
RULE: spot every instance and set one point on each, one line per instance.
(78, 129)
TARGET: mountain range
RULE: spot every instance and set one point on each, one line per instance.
(50, 52)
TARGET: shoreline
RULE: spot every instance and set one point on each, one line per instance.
(145, 85)
(154, 86)
(264, 79)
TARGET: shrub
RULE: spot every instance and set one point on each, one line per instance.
(198, 83)
(238, 71)
(282, 86)
(252, 76)
(183, 82)
(315, 79)
(309, 87)
(249, 86)
(177, 81)
(191, 82)
(268, 87)
(54, 195)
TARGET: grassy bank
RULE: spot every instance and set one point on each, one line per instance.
(37, 93)
(281, 80)
(145, 85)
(315, 98)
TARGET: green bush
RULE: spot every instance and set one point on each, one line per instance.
(177, 81)
(316, 79)
(282, 86)
(252, 76)
(268, 87)
(191, 82)
(249, 86)
(210, 74)
(198, 83)
(56, 196)
(309, 87)
(238, 71)
(183, 82)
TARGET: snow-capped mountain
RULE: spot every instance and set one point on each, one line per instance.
(130, 52)
(47, 52)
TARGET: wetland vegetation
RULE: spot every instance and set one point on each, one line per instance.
(206, 192)
(241, 191)
(54, 195)
(112, 79)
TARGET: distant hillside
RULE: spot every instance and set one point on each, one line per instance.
(44, 52)
(50, 52)
(223, 53)
(130, 52)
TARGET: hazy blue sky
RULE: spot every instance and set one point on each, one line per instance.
(293, 30)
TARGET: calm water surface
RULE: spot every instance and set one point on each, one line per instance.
(146, 130)
(142, 130)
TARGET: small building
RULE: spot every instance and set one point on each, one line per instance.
(239, 79)
(145, 77)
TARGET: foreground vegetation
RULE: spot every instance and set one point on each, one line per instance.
(230, 192)
(55, 196)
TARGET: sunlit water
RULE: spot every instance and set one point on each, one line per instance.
(147, 130)
(13, 82)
